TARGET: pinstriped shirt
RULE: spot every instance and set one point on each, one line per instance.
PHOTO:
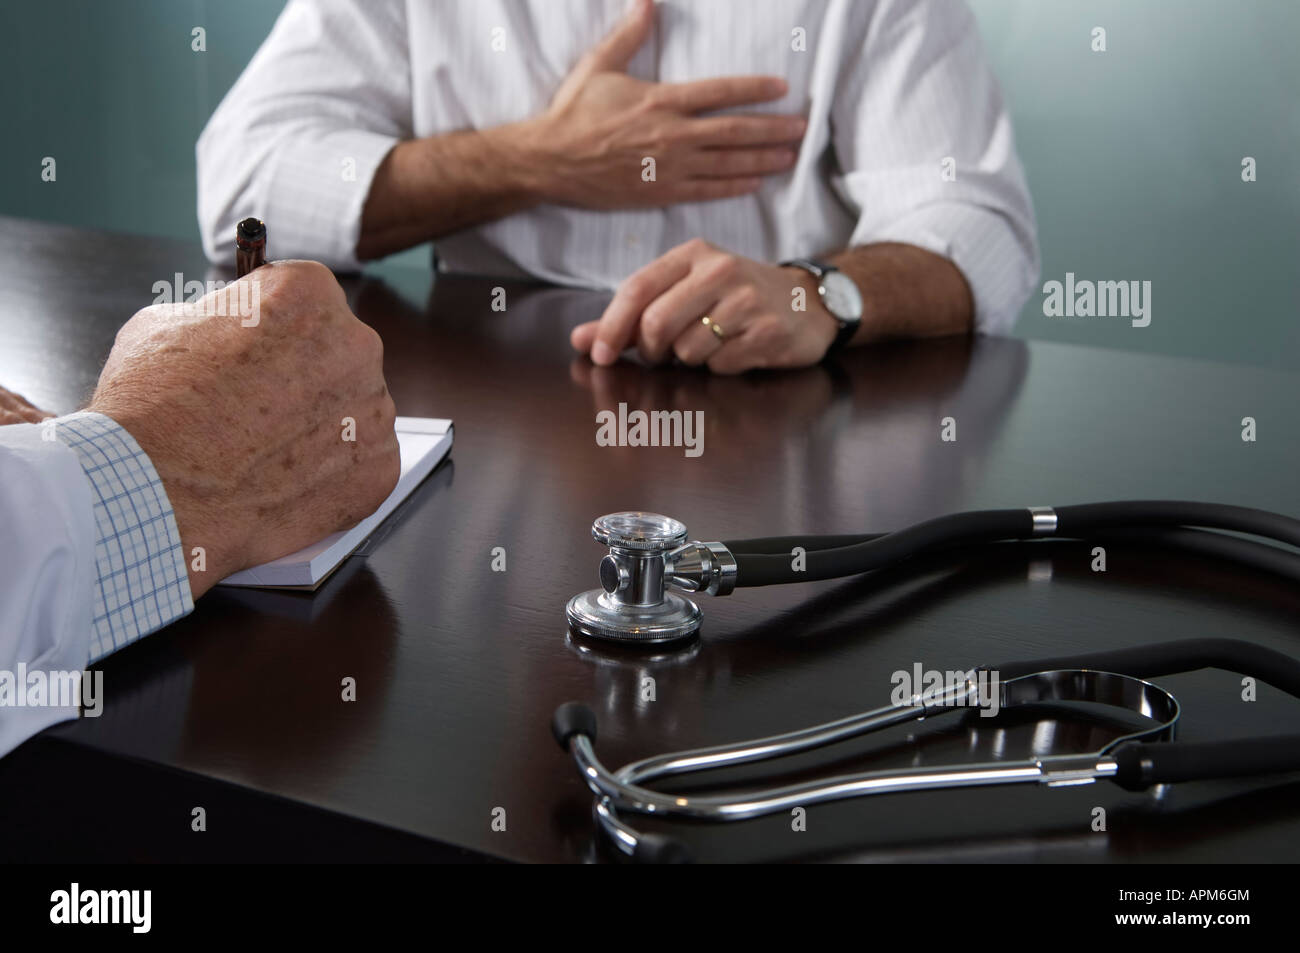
(908, 138)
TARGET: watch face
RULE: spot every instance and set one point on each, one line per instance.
(841, 296)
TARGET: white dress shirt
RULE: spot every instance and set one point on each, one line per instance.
(90, 559)
(891, 88)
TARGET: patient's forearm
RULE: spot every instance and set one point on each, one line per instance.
(427, 188)
(906, 292)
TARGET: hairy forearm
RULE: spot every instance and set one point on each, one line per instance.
(427, 188)
(907, 292)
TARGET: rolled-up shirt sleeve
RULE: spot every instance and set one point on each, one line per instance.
(90, 559)
(298, 138)
(926, 155)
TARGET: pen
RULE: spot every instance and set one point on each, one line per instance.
(250, 245)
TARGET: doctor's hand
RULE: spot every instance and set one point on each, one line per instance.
(592, 143)
(15, 409)
(750, 306)
(267, 419)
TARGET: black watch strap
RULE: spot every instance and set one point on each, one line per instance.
(818, 271)
(815, 268)
(842, 337)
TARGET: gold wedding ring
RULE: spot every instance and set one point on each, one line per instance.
(713, 326)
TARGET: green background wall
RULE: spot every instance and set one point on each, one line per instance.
(1133, 155)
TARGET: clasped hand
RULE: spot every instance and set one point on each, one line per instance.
(767, 316)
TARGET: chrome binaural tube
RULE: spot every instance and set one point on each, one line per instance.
(625, 789)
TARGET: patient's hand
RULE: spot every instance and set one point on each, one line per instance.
(602, 125)
(660, 307)
(245, 414)
(15, 409)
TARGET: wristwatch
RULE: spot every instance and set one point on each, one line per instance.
(838, 293)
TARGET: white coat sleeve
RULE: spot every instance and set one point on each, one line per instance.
(47, 573)
(90, 561)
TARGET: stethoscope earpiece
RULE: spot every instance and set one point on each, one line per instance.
(658, 849)
(572, 718)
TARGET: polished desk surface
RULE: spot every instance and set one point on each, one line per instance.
(458, 667)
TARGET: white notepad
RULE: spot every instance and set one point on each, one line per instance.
(424, 441)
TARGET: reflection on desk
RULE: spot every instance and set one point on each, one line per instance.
(458, 667)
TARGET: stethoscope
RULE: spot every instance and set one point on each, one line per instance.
(1135, 761)
(649, 554)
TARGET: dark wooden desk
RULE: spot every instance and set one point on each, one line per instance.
(237, 708)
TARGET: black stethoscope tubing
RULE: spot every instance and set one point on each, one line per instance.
(767, 561)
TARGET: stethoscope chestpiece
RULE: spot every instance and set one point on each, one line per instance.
(633, 603)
